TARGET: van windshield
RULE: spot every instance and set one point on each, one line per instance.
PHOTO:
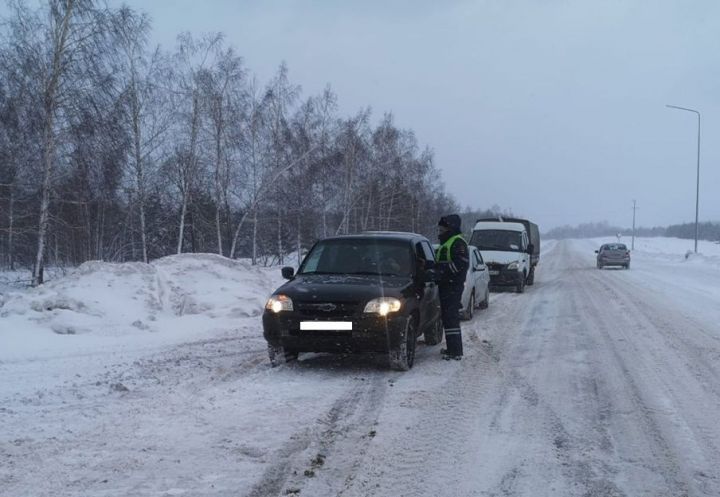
(500, 240)
(359, 256)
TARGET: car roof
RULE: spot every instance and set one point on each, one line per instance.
(384, 235)
(496, 225)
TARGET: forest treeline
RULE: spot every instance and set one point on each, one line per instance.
(114, 149)
(706, 231)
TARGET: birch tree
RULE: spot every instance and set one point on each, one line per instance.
(143, 105)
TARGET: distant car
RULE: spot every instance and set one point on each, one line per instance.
(613, 254)
(477, 284)
(357, 293)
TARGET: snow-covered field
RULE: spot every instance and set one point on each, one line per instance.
(152, 380)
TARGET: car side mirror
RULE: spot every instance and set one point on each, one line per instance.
(530, 248)
(597, 251)
(288, 272)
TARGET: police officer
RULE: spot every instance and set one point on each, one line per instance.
(452, 260)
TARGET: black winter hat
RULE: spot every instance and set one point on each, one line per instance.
(451, 221)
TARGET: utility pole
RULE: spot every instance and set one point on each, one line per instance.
(632, 247)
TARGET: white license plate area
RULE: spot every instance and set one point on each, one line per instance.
(494, 273)
(326, 325)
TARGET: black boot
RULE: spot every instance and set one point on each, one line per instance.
(447, 356)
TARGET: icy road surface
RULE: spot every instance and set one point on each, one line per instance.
(592, 383)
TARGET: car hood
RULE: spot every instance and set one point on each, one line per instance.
(345, 288)
(498, 257)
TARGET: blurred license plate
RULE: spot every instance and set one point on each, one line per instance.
(494, 273)
(325, 325)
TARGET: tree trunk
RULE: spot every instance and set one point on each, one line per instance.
(389, 211)
(279, 237)
(237, 233)
(11, 226)
(183, 213)
(99, 232)
(189, 170)
(139, 174)
(49, 104)
(299, 239)
(193, 247)
(218, 182)
(254, 238)
(48, 152)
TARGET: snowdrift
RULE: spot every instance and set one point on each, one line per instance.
(122, 298)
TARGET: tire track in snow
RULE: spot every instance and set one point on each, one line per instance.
(586, 475)
(422, 453)
(343, 423)
(632, 417)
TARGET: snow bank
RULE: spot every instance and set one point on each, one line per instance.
(196, 290)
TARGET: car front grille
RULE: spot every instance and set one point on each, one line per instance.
(321, 310)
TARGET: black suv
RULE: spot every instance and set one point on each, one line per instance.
(370, 292)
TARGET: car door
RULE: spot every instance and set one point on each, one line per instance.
(473, 277)
(431, 298)
(483, 275)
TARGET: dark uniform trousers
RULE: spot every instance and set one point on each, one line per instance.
(450, 302)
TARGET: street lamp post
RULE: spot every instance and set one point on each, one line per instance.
(632, 247)
(697, 191)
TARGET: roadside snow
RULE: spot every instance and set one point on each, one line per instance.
(185, 294)
(105, 314)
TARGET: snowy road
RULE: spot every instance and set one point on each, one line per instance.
(592, 383)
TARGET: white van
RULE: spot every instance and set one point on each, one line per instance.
(506, 249)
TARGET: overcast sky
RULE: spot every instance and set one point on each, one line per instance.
(552, 108)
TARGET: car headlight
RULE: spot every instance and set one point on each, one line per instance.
(383, 306)
(513, 265)
(279, 303)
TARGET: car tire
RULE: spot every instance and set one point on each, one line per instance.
(280, 355)
(486, 303)
(599, 266)
(531, 277)
(434, 334)
(403, 357)
(468, 312)
(520, 288)
(627, 266)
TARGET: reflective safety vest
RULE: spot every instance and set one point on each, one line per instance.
(443, 253)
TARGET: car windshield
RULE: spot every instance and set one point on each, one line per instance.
(615, 246)
(359, 256)
(502, 240)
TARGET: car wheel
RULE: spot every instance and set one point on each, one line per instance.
(468, 313)
(486, 303)
(531, 277)
(599, 266)
(627, 266)
(280, 355)
(403, 357)
(434, 334)
(520, 288)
